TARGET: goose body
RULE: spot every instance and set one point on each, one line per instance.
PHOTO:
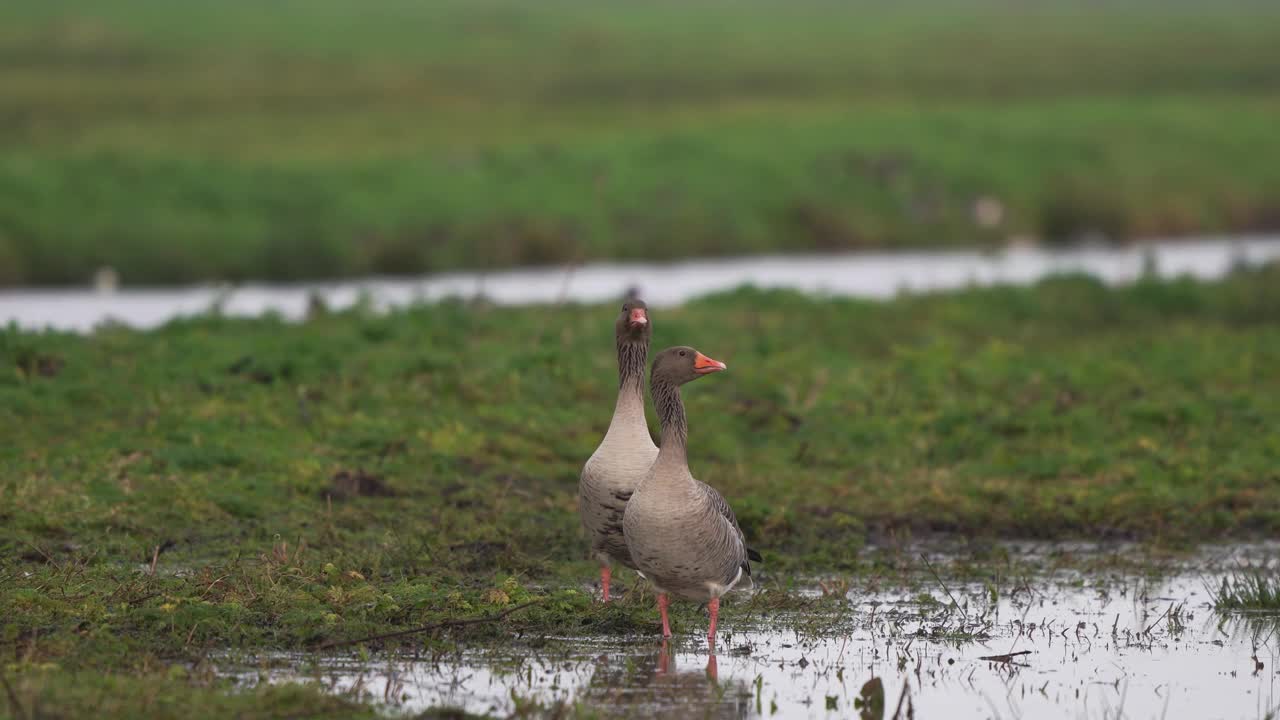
(684, 537)
(681, 533)
(625, 455)
(611, 476)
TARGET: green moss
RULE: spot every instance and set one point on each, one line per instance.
(173, 692)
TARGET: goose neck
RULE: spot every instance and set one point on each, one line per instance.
(675, 430)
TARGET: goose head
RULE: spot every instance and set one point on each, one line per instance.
(633, 322)
(679, 365)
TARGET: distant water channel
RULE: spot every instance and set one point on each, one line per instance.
(866, 275)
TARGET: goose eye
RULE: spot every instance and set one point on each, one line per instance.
(681, 353)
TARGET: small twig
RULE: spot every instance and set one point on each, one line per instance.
(44, 554)
(901, 697)
(215, 582)
(945, 589)
(1007, 657)
(18, 709)
(563, 293)
(1162, 615)
(430, 627)
(31, 646)
(155, 558)
(191, 634)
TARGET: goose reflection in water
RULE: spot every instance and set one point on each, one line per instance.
(652, 685)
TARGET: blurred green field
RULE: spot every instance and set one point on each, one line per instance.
(292, 139)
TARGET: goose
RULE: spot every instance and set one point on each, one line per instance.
(626, 453)
(682, 535)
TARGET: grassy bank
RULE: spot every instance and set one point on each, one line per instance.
(181, 142)
(358, 474)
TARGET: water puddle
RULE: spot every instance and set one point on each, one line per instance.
(1064, 646)
(865, 275)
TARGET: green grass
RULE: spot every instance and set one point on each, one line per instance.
(1065, 410)
(167, 694)
(1248, 590)
(301, 139)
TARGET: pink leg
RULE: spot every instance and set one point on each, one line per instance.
(662, 608)
(712, 669)
(605, 574)
(714, 606)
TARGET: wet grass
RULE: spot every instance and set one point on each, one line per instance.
(917, 643)
(179, 142)
(1249, 590)
(254, 484)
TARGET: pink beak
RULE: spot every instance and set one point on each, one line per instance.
(639, 317)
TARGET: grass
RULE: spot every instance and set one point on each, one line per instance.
(1248, 590)
(169, 694)
(359, 474)
(181, 142)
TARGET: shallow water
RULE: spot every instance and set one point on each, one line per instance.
(1120, 646)
(866, 275)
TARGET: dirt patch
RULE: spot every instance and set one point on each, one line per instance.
(347, 484)
(825, 228)
(40, 364)
(247, 367)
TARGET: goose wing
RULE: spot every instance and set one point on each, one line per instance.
(722, 506)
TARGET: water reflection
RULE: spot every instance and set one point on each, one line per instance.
(649, 684)
(1059, 647)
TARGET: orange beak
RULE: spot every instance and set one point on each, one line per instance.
(704, 365)
(639, 316)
